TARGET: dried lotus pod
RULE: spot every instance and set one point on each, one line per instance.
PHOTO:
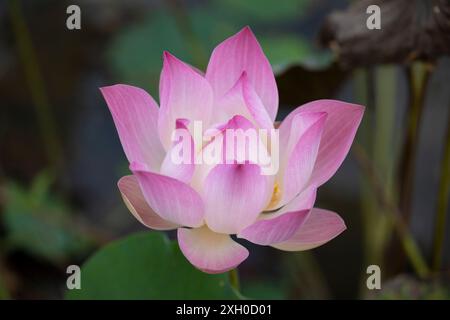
(410, 30)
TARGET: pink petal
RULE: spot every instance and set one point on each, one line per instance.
(239, 128)
(320, 227)
(183, 170)
(135, 202)
(222, 144)
(135, 115)
(340, 129)
(184, 93)
(234, 195)
(242, 100)
(281, 225)
(171, 199)
(239, 53)
(209, 251)
(269, 231)
(297, 159)
(305, 200)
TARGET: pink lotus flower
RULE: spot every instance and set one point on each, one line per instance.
(207, 204)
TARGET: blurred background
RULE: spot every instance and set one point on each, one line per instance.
(60, 156)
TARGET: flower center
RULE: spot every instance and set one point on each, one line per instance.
(276, 196)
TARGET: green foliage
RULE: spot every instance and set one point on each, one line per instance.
(253, 11)
(264, 290)
(147, 266)
(39, 222)
(136, 53)
(3, 291)
(285, 51)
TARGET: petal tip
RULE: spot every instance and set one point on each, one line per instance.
(106, 89)
(167, 55)
(169, 59)
(247, 31)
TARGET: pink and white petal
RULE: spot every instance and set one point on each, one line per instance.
(170, 198)
(241, 142)
(236, 141)
(281, 225)
(320, 227)
(239, 53)
(179, 161)
(298, 159)
(234, 195)
(209, 251)
(269, 231)
(184, 93)
(242, 100)
(340, 129)
(303, 201)
(135, 202)
(135, 115)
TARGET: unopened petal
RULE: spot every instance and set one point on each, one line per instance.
(184, 93)
(179, 160)
(239, 53)
(242, 100)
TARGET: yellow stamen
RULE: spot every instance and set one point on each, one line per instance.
(276, 196)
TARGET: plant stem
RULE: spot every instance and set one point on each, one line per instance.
(33, 76)
(418, 78)
(442, 204)
(234, 279)
(409, 245)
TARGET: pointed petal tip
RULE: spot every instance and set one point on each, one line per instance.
(105, 89)
(167, 57)
(182, 123)
(244, 76)
(171, 59)
(116, 85)
(239, 52)
(313, 117)
(343, 104)
(245, 33)
(247, 30)
(240, 84)
(167, 54)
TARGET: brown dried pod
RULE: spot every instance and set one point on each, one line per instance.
(410, 30)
